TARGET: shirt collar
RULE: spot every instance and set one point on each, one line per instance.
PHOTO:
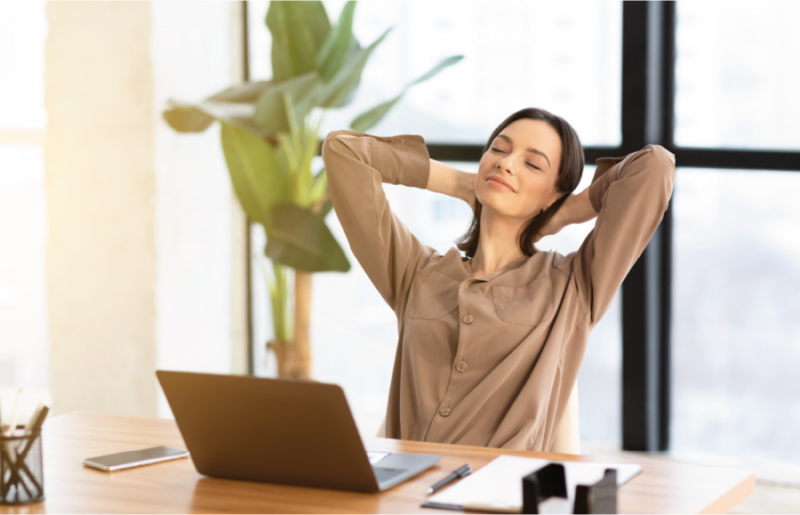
(488, 277)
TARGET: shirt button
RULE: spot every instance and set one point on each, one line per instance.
(445, 412)
(461, 366)
(468, 319)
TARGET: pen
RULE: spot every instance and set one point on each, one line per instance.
(461, 472)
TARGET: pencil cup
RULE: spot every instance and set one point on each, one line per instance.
(21, 475)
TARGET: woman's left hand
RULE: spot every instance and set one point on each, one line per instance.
(557, 222)
(575, 210)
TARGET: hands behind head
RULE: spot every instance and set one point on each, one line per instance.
(575, 210)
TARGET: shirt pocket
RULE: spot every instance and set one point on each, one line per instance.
(527, 305)
(435, 297)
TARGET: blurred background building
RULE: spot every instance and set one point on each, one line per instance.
(122, 249)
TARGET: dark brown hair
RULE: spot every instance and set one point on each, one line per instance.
(569, 175)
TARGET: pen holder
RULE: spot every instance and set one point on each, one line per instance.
(21, 474)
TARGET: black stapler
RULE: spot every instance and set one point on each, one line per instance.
(551, 481)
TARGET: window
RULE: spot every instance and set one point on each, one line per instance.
(24, 345)
(564, 57)
(736, 314)
(23, 30)
(737, 75)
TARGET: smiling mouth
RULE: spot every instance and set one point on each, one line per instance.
(500, 183)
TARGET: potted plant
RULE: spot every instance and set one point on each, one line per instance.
(270, 133)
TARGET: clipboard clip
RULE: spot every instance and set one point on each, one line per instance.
(551, 481)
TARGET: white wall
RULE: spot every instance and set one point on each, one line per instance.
(141, 219)
(100, 192)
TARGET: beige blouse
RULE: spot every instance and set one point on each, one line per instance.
(489, 360)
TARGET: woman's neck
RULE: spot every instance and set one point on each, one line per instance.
(498, 244)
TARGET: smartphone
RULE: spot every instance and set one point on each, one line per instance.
(124, 460)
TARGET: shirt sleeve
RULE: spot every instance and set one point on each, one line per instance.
(356, 168)
(630, 195)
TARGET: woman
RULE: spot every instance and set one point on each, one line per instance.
(490, 344)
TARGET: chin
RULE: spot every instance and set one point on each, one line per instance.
(496, 206)
(499, 205)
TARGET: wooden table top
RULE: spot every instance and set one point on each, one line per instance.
(175, 486)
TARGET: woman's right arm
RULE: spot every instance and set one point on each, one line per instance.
(356, 164)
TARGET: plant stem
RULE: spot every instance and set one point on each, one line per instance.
(302, 324)
(281, 305)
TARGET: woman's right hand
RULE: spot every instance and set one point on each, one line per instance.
(452, 182)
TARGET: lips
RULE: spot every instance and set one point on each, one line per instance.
(499, 181)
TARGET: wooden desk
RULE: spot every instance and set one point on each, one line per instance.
(176, 486)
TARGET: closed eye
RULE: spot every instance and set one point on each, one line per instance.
(503, 152)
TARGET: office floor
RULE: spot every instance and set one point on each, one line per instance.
(776, 491)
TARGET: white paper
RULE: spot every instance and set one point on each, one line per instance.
(497, 486)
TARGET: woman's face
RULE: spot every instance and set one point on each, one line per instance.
(517, 175)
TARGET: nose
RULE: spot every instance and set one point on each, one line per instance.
(504, 164)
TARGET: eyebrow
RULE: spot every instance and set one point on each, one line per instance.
(533, 150)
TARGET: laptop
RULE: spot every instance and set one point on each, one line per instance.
(279, 431)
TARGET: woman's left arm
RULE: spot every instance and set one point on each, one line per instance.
(575, 210)
(629, 196)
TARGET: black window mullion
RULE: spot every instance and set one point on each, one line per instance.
(647, 118)
(472, 153)
(738, 159)
(669, 29)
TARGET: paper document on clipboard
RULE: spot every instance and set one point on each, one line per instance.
(497, 487)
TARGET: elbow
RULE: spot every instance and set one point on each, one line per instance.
(658, 163)
(328, 143)
(331, 147)
(340, 151)
(661, 160)
(663, 156)
(332, 136)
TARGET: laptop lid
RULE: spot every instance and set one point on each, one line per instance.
(269, 430)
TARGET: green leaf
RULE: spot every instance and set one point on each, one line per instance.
(271, 112)
(348, 97)
(308, 91)
(346, 80)
(256, 173)
(441, 65)
(325, 208)
(298, 30)
(301, 240)
(338, 44)
(187, 118)
(247, 92)
(320, 186)
(370, 118)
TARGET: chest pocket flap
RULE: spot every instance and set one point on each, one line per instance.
(527, 305)
(435, 297)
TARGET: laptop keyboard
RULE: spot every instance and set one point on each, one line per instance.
(385, 474)
(375, 456)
